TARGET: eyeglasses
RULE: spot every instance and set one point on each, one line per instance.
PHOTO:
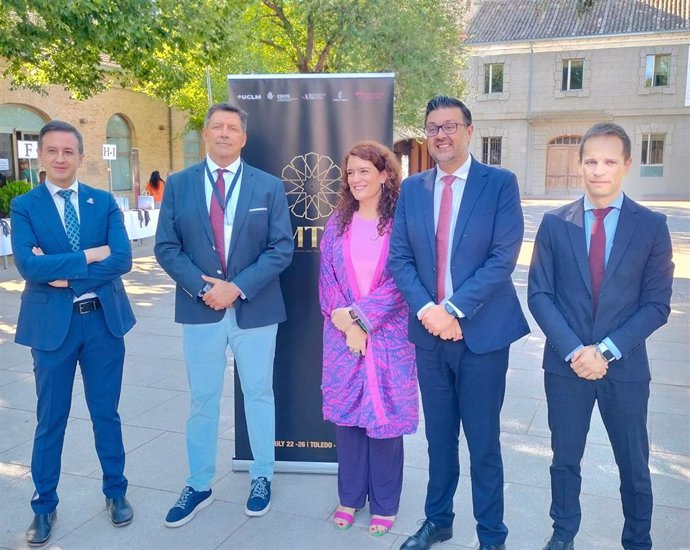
(447, 127)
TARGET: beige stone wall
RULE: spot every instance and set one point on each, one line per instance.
(532, 109)
(156, 131)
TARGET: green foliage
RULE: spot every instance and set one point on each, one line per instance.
(10, 190)
(163, 47)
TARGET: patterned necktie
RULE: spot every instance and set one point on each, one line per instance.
(597, 254)
(217, 218)
(443, 236)
(71, 219)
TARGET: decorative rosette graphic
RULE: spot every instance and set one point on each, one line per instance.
(312, 184)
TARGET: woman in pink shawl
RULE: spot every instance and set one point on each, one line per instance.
(369, 379)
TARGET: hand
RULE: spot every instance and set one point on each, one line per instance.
(340, 317)
(222, 294)
(97, 253)
(588, 363)
(436, 319)
(59, 283)
(453, 332)
(356, 339)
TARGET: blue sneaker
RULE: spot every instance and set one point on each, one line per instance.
(259, 501)
(186, 507)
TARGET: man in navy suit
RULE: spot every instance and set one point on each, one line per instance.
(455, 242)
(71, 247)
(599, 286)
(224, 236)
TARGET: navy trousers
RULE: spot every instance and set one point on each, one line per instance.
(101, 358)
(623, 408)
(461, 388)
(369, 468)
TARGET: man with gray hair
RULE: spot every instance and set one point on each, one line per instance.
(599, 286)
(224, 236)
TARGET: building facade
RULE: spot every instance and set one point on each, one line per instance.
(148, 135)
(541, 73)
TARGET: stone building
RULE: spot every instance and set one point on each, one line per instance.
(148, 134)
(541, 72)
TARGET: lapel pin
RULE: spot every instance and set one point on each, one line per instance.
(89, 200)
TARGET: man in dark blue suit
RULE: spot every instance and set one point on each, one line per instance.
(599, 286)
(71, 247)
(455, 242)
(224, 236)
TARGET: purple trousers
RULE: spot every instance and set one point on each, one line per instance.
(370, 468)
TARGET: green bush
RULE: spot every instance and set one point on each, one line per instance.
(10, 190)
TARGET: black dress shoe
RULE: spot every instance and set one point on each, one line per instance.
(555, 544)
(120, 510)
(40, 529)
(492, 547)
(427, 535)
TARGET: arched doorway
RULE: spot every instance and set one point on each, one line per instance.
(118, 133)
(563, 166)
(18, 123)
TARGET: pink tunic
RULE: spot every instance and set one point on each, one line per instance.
(377, 392)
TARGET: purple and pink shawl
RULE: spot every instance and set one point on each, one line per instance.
(377, 392)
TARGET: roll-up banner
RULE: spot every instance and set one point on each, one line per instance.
(299, 128)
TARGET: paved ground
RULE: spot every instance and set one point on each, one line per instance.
(155, 402)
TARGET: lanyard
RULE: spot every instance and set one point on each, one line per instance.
(223, 203)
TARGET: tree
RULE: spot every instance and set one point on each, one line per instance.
(163, 47)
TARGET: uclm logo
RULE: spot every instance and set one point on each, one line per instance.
(249, 97)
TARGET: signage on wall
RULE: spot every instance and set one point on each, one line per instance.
(109, 151)
(27, 149)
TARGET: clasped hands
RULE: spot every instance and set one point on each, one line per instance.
(355, 337)
(222, 294)
(588, 363)
(95, 254)
(441, 323)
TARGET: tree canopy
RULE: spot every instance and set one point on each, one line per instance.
(163, 47)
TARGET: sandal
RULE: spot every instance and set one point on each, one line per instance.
(379, 526)
(343, 520)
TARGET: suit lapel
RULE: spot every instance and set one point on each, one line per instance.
(475, 184)
(624, 232)
(426, 209)
(199, 198)
(247, 183)
(575, 218)
(48, 211)
(87, 216)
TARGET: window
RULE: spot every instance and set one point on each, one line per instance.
(491, 150)
(652, 161)
(117, 133)
(657, 70)
(493, 78)
(572, 74)
(192, 148)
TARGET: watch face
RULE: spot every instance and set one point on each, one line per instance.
(608, 355)
(449, 309)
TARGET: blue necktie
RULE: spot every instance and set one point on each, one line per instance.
(71, 220)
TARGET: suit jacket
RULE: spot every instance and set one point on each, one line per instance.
(635, 294)
(45, 311)
(486, 244)
(260, 249)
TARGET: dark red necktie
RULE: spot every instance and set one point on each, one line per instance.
(597, 254)
(217, 218)
(443, 236)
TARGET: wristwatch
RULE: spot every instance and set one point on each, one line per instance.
(606, 353)
(450, 309)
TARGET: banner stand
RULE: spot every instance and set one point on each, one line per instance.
(289, 467)
(299, 128)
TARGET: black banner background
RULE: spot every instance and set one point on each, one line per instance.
(299, 128)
